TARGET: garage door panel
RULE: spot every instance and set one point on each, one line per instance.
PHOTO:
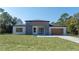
(56, 31)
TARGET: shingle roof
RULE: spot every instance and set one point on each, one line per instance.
(36, 21)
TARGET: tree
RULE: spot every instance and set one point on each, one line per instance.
(75, 30)
(71, 22)
(7, 21)
(61, 21)
(53, 23)
(6, 17)
(16, 20)
(1, 10)
(63, 18)
(77, 17)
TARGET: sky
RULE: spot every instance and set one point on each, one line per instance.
(40, 13)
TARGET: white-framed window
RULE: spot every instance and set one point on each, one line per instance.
(19, 29)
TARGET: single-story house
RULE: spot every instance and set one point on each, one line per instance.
(39, 27)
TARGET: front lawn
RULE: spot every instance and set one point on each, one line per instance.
(33, 43)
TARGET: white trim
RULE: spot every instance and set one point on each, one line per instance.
(64, 29)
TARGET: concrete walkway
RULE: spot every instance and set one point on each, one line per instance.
(70, 38)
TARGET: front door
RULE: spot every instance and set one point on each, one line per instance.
(34, 30)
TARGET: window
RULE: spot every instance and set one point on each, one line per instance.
(19, 29)
(41, 30)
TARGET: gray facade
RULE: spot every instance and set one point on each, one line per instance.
(42, 27)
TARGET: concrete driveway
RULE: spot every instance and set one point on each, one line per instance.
(70, 38)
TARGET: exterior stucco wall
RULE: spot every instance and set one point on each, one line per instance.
(14, 30)
(29, 26)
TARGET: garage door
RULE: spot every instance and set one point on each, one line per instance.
(57, 31)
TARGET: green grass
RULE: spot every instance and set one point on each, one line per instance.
(77, 36)
(32, 43)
